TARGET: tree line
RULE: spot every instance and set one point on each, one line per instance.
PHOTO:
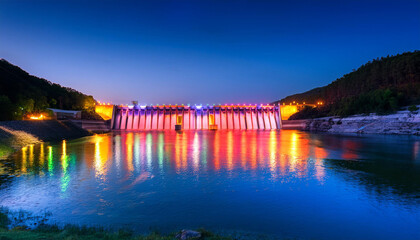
(22, 94)
(381, 86)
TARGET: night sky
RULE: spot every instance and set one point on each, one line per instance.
(173, 52)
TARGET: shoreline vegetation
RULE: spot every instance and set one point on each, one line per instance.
(24, 225)
(382, 86)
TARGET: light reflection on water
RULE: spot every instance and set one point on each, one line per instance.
(287, 183)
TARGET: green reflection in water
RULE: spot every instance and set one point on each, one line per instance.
(149, 142)
(204, 151)
(50, 161)
(160, 150)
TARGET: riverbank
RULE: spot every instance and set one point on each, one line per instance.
(23, 225)
(402, 122)
(75, 232)
(17, 134)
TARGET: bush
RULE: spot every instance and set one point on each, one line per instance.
(413, 108)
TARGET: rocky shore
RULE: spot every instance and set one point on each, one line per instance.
(402, 122)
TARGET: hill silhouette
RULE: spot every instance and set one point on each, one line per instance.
(22, 93)
(381, 86)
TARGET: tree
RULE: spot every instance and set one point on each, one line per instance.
(7, 109)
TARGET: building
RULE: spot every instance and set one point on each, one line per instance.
(61, 114)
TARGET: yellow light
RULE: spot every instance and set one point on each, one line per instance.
(40, 117)
(287, 111)
(105, 111)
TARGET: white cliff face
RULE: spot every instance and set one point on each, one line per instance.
(402, 122)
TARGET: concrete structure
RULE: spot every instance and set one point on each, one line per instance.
(197, 117)
(93, 125)
(61, 114)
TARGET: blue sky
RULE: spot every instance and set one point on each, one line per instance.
(173, 52)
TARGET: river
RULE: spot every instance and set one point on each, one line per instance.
(279, 183)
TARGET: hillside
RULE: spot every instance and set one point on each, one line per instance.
(21, 93)
(381, 86)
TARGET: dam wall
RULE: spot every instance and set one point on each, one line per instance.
(196, 117)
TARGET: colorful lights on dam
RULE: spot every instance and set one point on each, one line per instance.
(199, 116)
(196, 117)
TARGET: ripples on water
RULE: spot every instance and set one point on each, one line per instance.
(284, 183)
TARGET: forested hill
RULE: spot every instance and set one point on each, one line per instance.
(21, 93)
(381, 85)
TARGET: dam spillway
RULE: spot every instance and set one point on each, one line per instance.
(196, 117)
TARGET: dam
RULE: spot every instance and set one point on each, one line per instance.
(196, 117)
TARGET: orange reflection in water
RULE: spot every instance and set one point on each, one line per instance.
(253, 149)
(243, 141)
(295, 151)
(273, 152)
(195, 151)
(24, 161)
(129, 146)
(31, 155)
(229, 152)
(101, 156)
(178, 163)
(184, 150)
(216, 152)
(349, 149)
(41, 155)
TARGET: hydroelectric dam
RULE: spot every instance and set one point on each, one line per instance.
(197, 117)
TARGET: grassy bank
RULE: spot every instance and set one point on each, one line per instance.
(23, 225)
(75, 232)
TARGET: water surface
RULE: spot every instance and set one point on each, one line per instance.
(279, 183)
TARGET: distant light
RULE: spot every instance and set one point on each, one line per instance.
(40, 117)
(198, 106)
(143, 106)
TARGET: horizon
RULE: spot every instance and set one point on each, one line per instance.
(190, 52)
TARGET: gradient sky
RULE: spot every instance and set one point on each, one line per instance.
(173, 52)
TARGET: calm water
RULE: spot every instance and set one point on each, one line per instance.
(281, 183)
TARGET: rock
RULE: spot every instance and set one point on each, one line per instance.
(188, 234)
